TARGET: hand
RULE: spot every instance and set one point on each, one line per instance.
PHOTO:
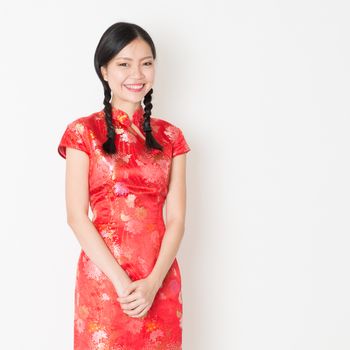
(138, 297)
(122, 284)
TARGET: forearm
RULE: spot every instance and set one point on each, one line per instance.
(96, 249)
(168, 250)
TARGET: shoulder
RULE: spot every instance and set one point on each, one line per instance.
(85, 121)
(87, 126)
(163, 122)
(173, 134)
(82, 127)
(167, 128)
(77, 135)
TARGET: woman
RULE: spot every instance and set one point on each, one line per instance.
(125, 163)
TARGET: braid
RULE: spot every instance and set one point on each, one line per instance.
(109, 145)
(150, 140)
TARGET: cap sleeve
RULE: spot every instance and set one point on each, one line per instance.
(180, 145)
(75, 136)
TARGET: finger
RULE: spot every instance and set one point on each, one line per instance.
(129, 298)
(143, 313)
(135, 311)
(130, 288)
(132, 305)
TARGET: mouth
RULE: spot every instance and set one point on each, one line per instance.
(135, 87)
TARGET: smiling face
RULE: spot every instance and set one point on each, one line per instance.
(130, 74)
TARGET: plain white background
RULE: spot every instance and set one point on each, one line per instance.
(261, 92)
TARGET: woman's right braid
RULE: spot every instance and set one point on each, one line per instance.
(109, 145)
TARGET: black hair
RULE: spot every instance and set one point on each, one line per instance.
(113, 40)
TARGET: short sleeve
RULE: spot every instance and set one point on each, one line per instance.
(75, 136)
(180, 145)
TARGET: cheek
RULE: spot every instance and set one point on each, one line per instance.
(150, 75)
(116, 80)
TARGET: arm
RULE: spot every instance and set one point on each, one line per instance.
(77, 204)
(175, 220)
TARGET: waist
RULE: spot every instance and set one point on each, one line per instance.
(110, 223)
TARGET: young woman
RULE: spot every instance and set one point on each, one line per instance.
(125, 164)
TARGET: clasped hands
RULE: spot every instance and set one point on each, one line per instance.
(137, 297)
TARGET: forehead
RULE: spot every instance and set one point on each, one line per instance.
(132, 58)
(136, 50)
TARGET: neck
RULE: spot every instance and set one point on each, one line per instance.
(128, 107)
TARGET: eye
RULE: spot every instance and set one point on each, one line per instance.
(148, 63)
(122, 64)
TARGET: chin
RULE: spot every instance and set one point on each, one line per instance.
(133, 100)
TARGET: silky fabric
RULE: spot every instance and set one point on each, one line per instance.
(127, 192)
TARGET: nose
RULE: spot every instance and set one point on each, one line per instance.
(137, 72)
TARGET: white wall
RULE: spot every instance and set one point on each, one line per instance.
(260, 89)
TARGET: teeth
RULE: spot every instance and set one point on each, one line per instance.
(135, 86)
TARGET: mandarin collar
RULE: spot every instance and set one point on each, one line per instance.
(123, 118)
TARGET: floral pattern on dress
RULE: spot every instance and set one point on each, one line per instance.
(127, 192)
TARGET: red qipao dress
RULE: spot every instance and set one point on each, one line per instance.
(127, 192)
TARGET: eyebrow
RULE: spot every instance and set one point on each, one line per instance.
(130, 59)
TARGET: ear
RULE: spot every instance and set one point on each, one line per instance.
(104, 73)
